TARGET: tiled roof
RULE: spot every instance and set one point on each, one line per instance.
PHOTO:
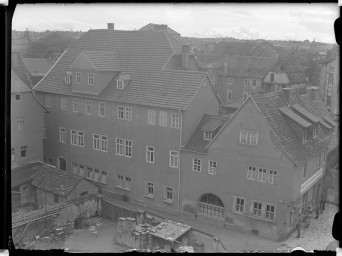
(196, 142)
(305, 113)
(335, 138)
(23, 74)
(49, 178)
(104, 60)
(17, 85)
(150, 26)
(142, 55)
(37, 66)
(287, 63)
(23, 173)
(293, 116)
(269, 105)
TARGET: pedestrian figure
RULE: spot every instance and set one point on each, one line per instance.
(317, 211)
(298, 226)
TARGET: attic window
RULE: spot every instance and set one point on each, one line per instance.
(67, 78)
(120, 84)
(208, 135)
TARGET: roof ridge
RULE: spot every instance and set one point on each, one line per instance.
(213, 116)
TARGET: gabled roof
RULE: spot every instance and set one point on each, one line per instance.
(17, 85)
(142, 55)
(103, 60)
(287, 63)
(49, 178)
(21, 71)
(37, 66)
(305, 113)
(293, 116)
(151, 27)
(269, 105)
(197, 143)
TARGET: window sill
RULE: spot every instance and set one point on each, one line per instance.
(168, 201)
(122, 188)
(149, 196)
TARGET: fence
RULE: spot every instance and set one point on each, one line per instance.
(114, 212)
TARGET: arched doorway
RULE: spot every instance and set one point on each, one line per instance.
(211, 205)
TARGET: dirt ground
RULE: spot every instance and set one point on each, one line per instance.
(96, 238)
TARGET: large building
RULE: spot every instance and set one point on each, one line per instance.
(259, 169)
(161, 27)
(330, 81)
(120, 112)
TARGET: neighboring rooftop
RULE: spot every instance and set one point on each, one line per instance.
(210, 123)
(37, 66)
(143, 55)
(169, 230)
(17, 85)
(103, 60)
(49, 178)
(23, 173)
(158, 27)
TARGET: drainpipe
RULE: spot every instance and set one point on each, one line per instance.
(179, 165)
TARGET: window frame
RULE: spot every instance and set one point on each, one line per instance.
(104, 142)
(91, 77)
(197, 164)
(174, 159)
(96, 142)
(244, 134)
(272, 177)
(175, 121)
(80, 138)
(230, 81)
(263, 174)
(23, 149)
(101, 105)
(62, 135)
(149, 185)
(128, 148)
(128, 113)
(212, 169)
(20, 122)
(64, 103)
(78, 78)
(268, 212)
(150, 154)
(162, 118)
(120, 84)
(251, 174)
(254, 209)
(120, 112)
(253, 134)
(67, 79)
(17, 96)
(208, 135)
(151, 117)
(237, 207)
(88, 103)
(166, 193)
(119, 146)
(75, 101)
(73, 137)
(127, 183)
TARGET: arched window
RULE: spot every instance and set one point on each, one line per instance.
(210, 204)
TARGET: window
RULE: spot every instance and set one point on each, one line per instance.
(272, 176)
(78, 77)
(175, 121)
(81, 139)
(196, 165)
(104, 177)
(75, 168)
(64, 104)
(149, 189)
(208, 135)
(128, 148)
(212, 165)
(48, 101)
(44, 131)
(244, 95)
(81, 170)
(96, 142)
(168, 194)
(120, 181)
(89, 172)
(51, 161)
(119, 146)
(119, 84)
(12, 154)
(120, 112)
(230, 81)
(88, 106)
(245, 82)
(162, 118)
(91, 78)
(174, 159)
(304, 171)
(211, 205)
(73, 137)
(128, 183)
(104, 143)
(62, 135)
(151, 117)
(239, 204)
(75, 105)
(96, 174)
(243, 137)
(20, 122)
(305, 133)
(67, 79)
(270, 212)
(251, 173)
(262, 173)
(150, 154)
(253, 82)
(128, 113)
(272, 77)
(23, 151)
(84, 193)
(101, 109)
(253, 138)
(228, 95)
(257, 206)
(17, 97)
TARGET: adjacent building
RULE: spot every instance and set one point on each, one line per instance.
(120, 111)
(161, 27)
(259, 169)
(37, 67)
(330, 81)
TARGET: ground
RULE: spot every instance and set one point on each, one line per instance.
(100, 238)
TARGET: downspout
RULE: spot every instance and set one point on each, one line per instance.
(180, 149)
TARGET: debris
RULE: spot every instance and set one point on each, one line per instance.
(92, 228)
(37, 237)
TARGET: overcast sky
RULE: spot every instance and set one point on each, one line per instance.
(243, 21)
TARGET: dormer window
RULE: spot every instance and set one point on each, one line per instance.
(91, 78)
(208, 135)
(78, 77)
(120, 84)
(305, 135)
(67, 78)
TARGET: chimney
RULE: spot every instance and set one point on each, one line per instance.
(286, 93)
(313, 92)
(185, 55)
(160, 27)
(110, 26)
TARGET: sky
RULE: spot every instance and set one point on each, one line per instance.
(243, 21)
